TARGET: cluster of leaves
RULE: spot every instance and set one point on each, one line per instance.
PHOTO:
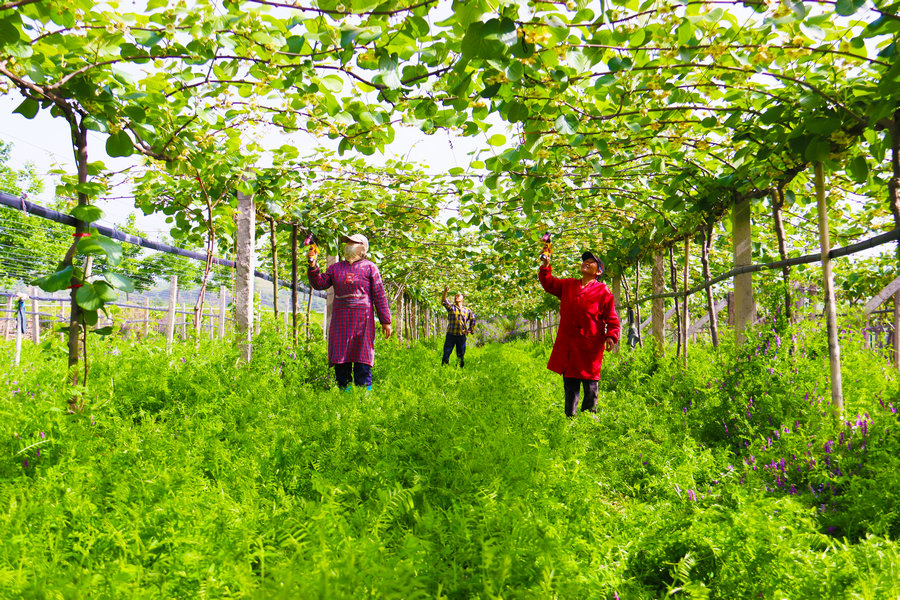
(629, 124)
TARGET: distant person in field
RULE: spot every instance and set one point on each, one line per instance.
(588, 324)
(357, 291)
(460, 322)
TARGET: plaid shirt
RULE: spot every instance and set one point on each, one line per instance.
(460, 320)
(357, 290)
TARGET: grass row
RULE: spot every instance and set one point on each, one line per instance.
(190, 475)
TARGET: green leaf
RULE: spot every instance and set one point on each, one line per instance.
(333, 83)
(87, 213)
(99, 244)
(823, 125)
(87, 298)
(817, 150)
(638, 38)
(685, 31)
(515, 71)
(619, 64)
(566, 124)
(858, 169)
(90, 316)
(105, 291)
(121, 282)
(108, 330)
(497, 139)
(119, 144)
(845, 8)
(29, 108)
(9, 33)
(55, 282)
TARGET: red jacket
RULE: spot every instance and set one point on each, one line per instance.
(587, 318)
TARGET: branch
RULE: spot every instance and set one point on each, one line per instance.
(10, 5)
(321, 11)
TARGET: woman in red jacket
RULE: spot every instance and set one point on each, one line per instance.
(588, 323)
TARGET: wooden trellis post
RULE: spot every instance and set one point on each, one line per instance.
(222, 304)
(35, 318)
(146, 317)
(834, 347)
(173, 305)
(9, 323)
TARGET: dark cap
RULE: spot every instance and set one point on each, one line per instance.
(591, 256)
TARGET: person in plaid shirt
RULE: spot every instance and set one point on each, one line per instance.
(460, 321)
(357, 290)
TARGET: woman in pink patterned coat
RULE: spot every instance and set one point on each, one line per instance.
(357, 291)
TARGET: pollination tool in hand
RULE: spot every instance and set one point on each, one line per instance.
(547, 250)
(310, 240)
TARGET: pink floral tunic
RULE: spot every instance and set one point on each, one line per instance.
(358, 290)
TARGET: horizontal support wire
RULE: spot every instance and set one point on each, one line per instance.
(24, 205)
(878, 240)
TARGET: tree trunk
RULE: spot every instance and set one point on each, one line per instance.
(637, 306)
(308, 312)
(894, 181)
(294, 284)
(777, 206)
(76, 315)
(686, 322)
(710, 305)
(897, 331)
(274, 271)
(658, 307)
(673, 277)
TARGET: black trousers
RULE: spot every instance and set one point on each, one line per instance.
(571, 387)
(361, 374)
(454, 340)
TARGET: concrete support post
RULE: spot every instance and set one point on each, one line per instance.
(743, 284)
(246, 279)
(146, 317)
(35, 317)
(10, 323)
(173, 305)
(834, 347)
(222, 304)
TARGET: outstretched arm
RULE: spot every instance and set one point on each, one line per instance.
(551, 284)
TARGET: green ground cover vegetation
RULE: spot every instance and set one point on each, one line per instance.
(191, 476)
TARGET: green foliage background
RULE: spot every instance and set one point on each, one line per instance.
(193, 477)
